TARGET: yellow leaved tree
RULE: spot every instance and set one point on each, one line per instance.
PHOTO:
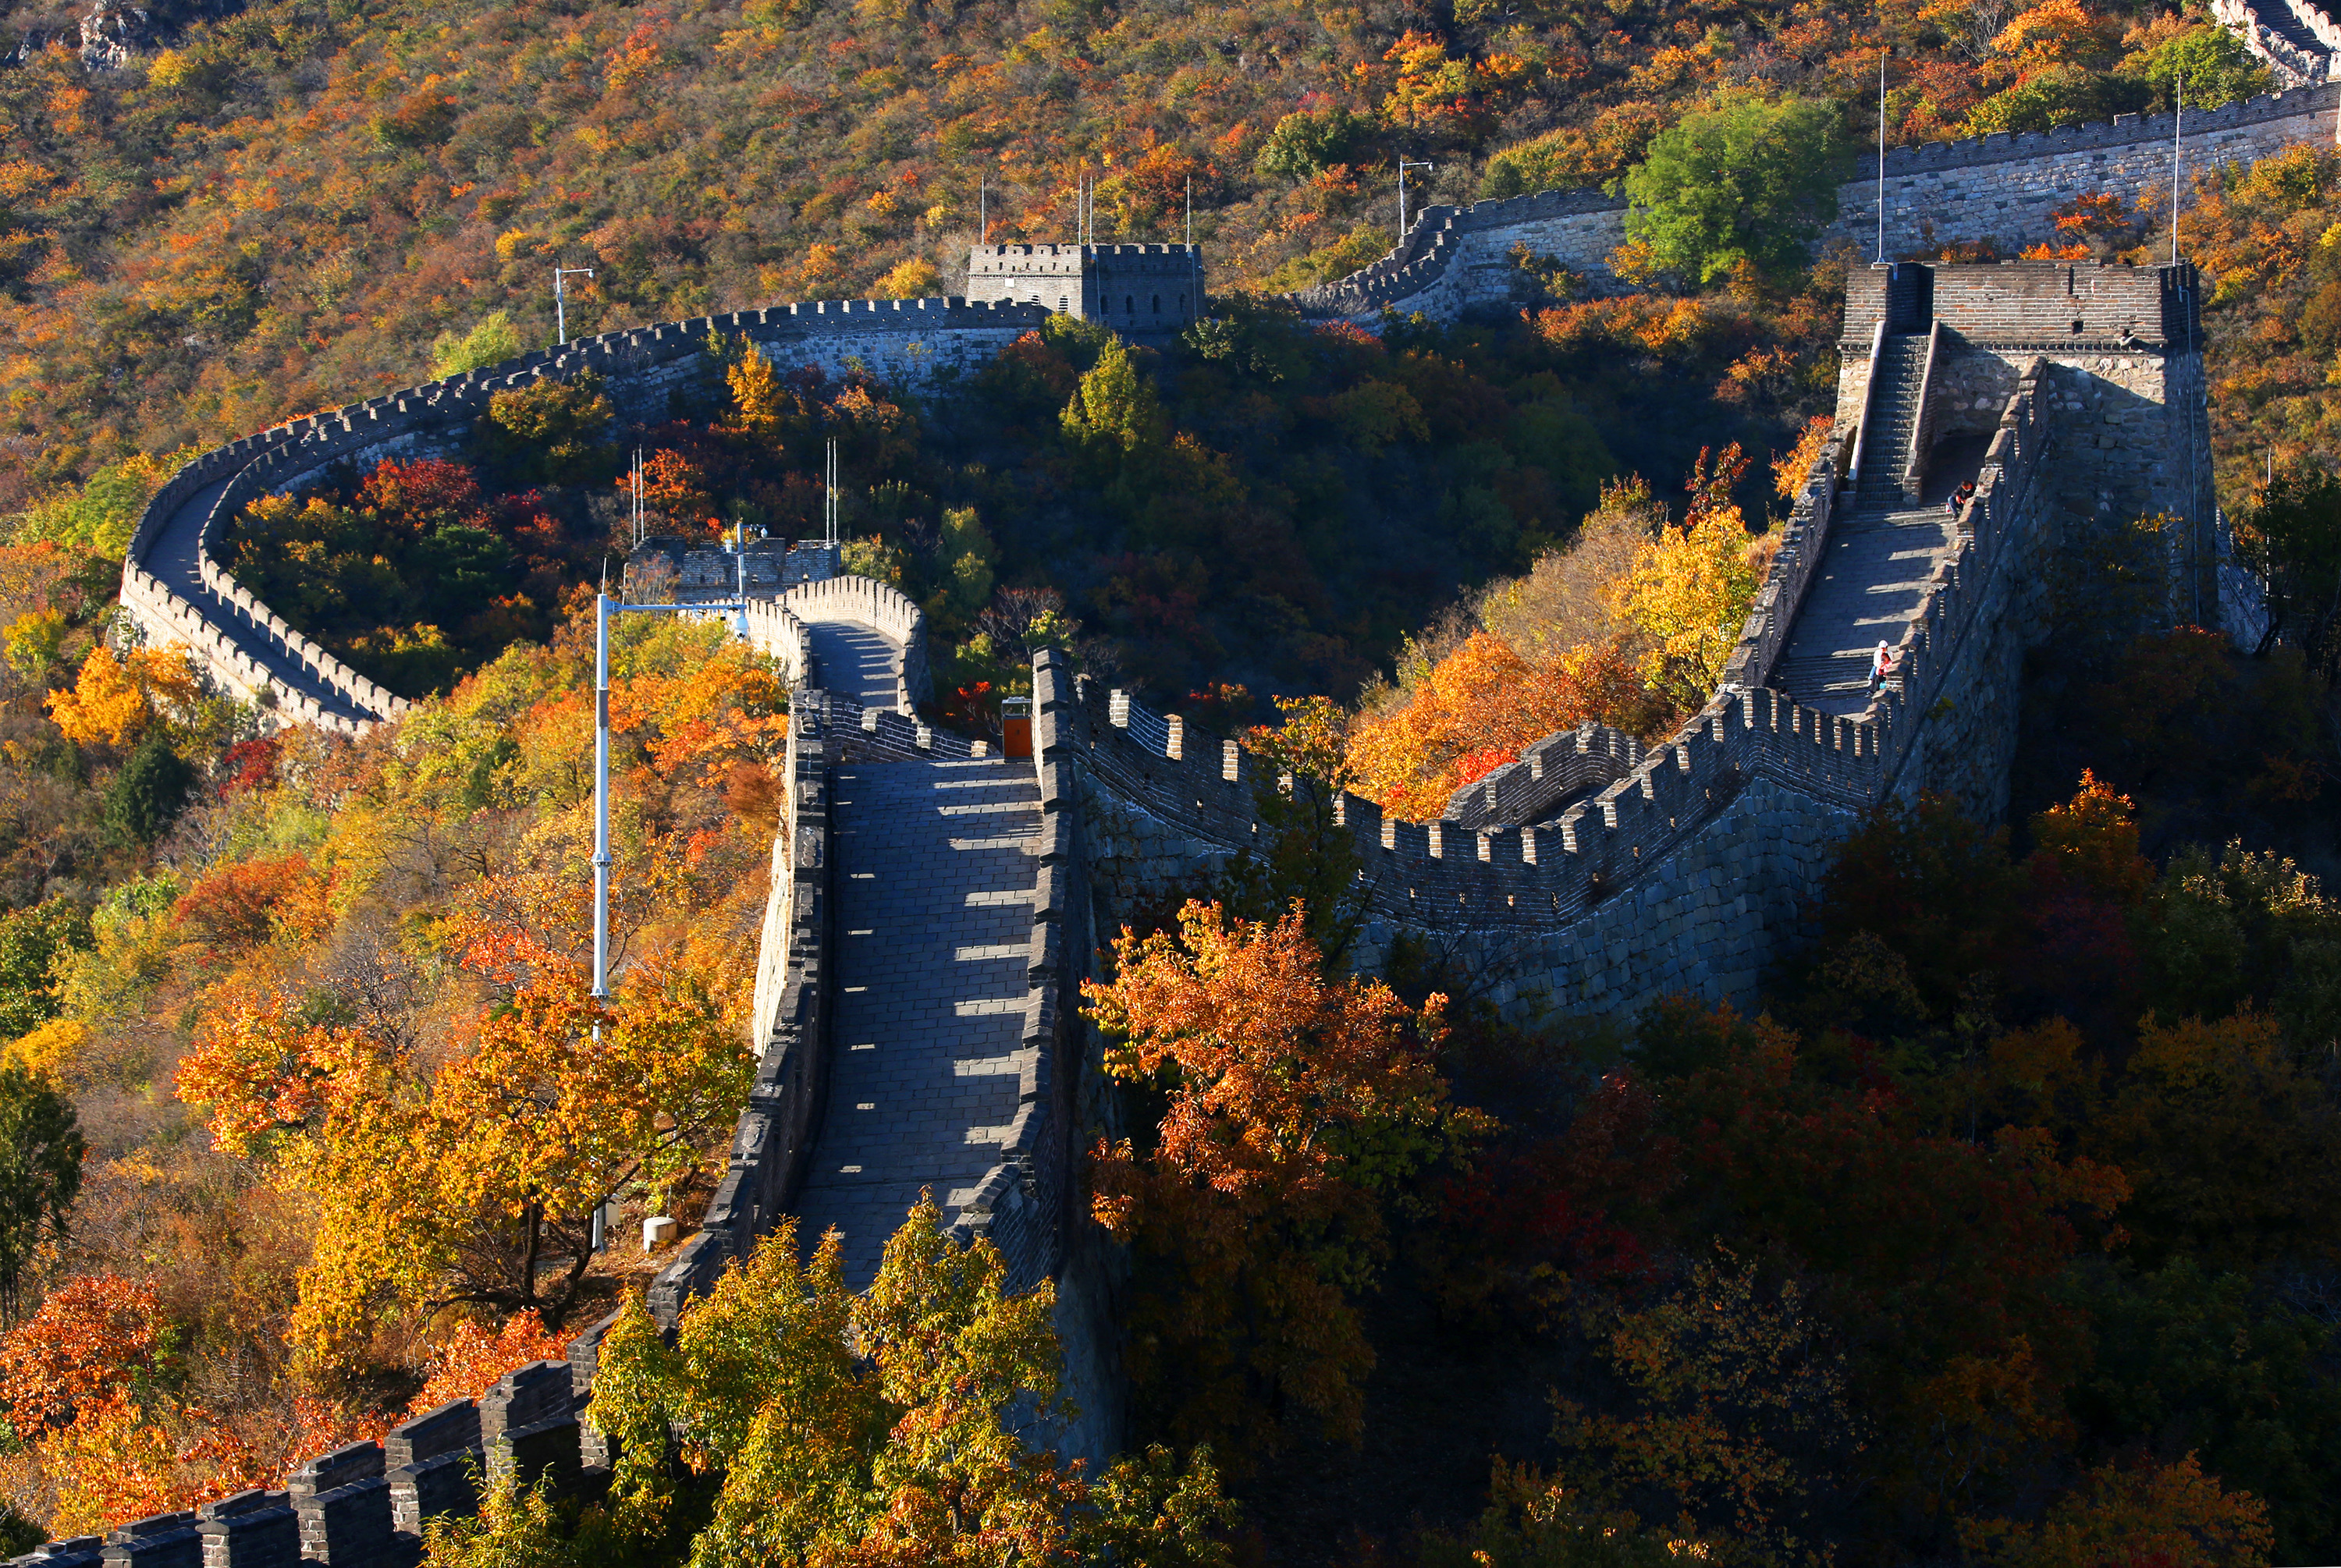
(449, 1177)
(117, 696)
(1688, 591)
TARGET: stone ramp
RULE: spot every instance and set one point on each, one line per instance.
(855, 661)
(1872, 582)
(935, 874)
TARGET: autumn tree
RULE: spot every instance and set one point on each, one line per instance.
(760, 403)
(1297, 1107)
(1304, 858)
(1736, 1415)
(1689, 590)
(817, 1425)
(1747, 182)
(2172, 1514)
(89, 1385)
(116, 697)
(2291, 537)
(32, 939)
(502, 1153)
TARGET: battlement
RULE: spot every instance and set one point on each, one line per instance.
(2002, 190)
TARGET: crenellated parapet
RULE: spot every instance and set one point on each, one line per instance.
(1604, 871)
(885, 610)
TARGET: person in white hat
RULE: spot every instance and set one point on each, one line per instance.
(1880, 667)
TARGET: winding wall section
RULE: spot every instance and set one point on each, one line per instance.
(2000, 189)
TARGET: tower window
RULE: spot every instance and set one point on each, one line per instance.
(1129, 305)
(1158, 305)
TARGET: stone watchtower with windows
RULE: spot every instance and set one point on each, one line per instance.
(1133, 289)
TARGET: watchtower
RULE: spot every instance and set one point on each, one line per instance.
(1931, 355)
(1134, 289)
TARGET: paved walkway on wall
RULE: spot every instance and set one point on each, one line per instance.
(1873, 582)
(173, 559)
(855, 661)
(933, 910)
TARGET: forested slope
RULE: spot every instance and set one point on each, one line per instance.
(281, 209)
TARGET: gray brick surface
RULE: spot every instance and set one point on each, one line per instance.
(855, 661)
(935, 876)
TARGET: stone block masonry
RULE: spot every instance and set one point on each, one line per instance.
(1134, 289)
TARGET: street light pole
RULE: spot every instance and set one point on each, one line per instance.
(603, 608)
(1404, 163)
(560, 301)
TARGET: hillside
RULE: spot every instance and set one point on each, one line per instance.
(1999, 1229)
(283, 208)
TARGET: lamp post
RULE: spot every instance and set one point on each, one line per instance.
(603, 608)
(1404, 163)
(561, 300)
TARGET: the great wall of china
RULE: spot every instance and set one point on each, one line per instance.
(1590, 875)
(2000, 189)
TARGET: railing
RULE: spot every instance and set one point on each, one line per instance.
(1852, 476)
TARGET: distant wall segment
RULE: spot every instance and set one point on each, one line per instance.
(175, 589)
(2001, 188)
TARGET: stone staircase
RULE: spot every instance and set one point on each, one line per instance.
(1894, 408)
(2280, 18)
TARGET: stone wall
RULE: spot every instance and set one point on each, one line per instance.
(1999, 189)
(2124, 343)
(364, 1505)
(885, 609)
(1684, 870)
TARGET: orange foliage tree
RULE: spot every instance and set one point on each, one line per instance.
(1478, 708)
(2164, 1515)
(449, 1182)
(85, 1383)
(117, 696)
(1298, 1105)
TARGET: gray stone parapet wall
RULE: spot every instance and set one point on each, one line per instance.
(1635, 889)
(1455, 257)
(2000, 188)
(882, 608)
(2293, 64)
(1804, 543)
(789, 1017)
(364, 1505)
(246, 646)
(1020, 1203)
(774, 631)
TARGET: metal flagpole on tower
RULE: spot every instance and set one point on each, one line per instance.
(2177, 127)
(983, 209)
(1881, 154)
(1191, 212)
